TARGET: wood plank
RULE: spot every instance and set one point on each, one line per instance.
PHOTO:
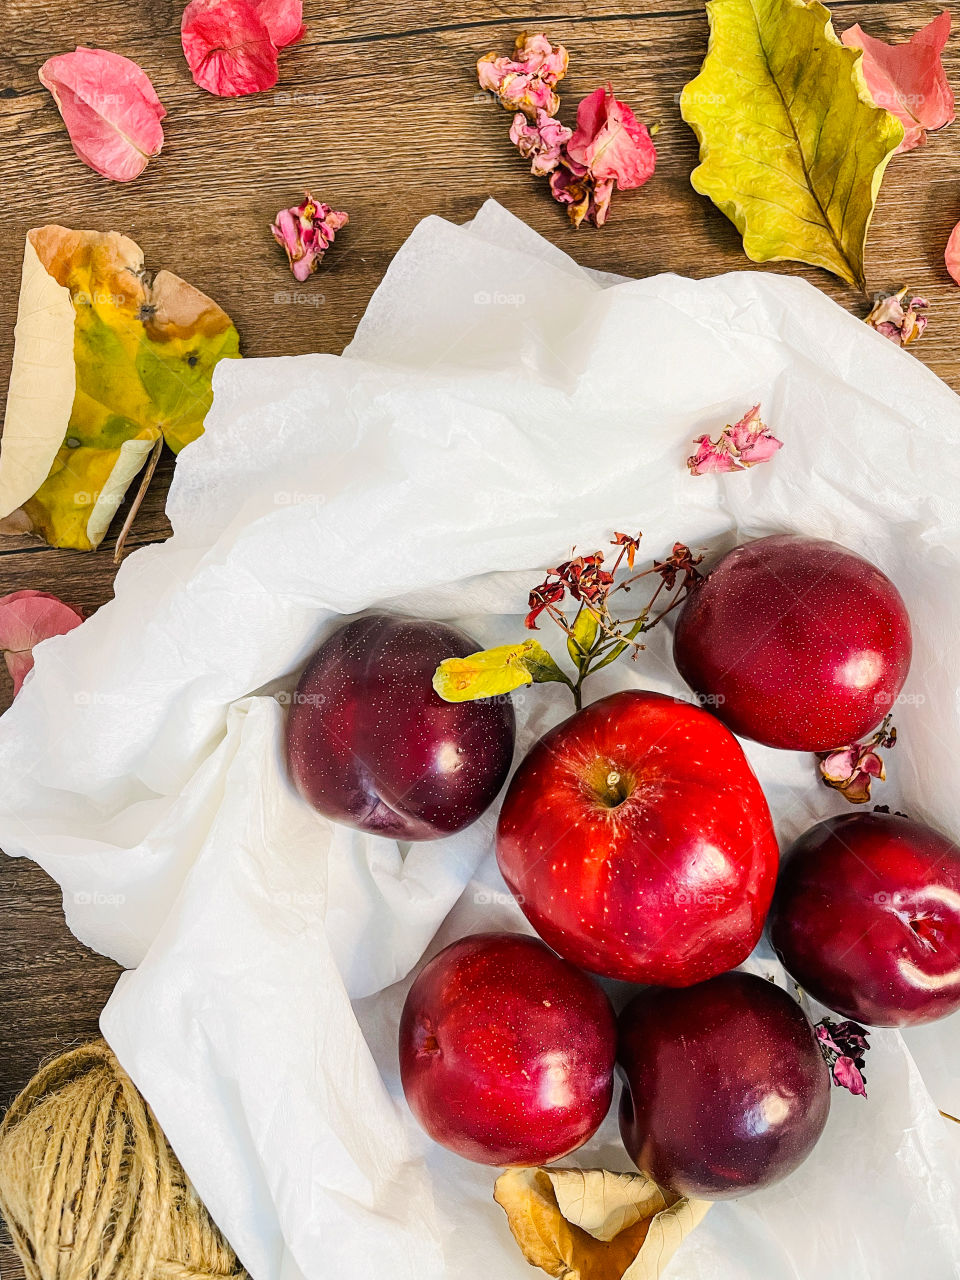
(377, 111)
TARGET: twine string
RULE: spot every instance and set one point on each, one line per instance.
(90, 1188)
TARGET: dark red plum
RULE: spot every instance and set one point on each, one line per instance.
(506, 1051)
(370, 743)
(866, 918)
(795, 642)
(726, 1089)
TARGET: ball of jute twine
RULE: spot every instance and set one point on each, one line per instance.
(89, 1187)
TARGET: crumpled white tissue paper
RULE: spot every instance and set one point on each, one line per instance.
(497, 404)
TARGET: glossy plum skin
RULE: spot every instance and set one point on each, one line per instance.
(798, 643)
(725, 1088)
(866, 918)
(370, 743)
(506, 1051)
(638, 842)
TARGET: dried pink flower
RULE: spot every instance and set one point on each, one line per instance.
(306, 232)
(586, 198)
(851, 770)
(526, 82)
(611, 143)
(610, 147)
(844, 1046)
(541, 142)
(26, 618)
(900, 326)
(745, 444)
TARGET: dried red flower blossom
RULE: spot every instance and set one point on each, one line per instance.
(306, 231)
(526, 82)
(631, 544)
(680, 561)
(595, 637)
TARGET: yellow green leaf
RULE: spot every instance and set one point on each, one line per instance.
(792, 147)
(108, 360)
(591, 1224)
(585, 628)
(492, 672)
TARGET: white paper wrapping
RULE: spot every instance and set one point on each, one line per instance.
(497, 404)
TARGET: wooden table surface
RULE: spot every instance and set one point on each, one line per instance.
(377, 112)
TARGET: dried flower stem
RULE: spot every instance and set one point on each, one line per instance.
(595, 637)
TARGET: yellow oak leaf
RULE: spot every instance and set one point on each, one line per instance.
(792, 147)
(109, 362)
(591, 1224)
(493, 672)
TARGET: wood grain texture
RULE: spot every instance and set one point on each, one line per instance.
(377, 111)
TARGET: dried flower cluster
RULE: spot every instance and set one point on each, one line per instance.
(609, 147)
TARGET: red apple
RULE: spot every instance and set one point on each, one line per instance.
(725, 1087)
(507, 1051)
(371, 744)
(795, 642)
(866, 918)
(638, 842)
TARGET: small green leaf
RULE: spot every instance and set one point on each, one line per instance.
(617, 649)
(584, 636)
(493, 672)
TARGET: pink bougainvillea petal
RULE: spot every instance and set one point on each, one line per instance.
(908, 79)
(110, 108)
(306, 231)
(951, 255)
(712, 457)
(611, 143)
(847, 1075)
(26, 618)
(228, 47)
(283, 20)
